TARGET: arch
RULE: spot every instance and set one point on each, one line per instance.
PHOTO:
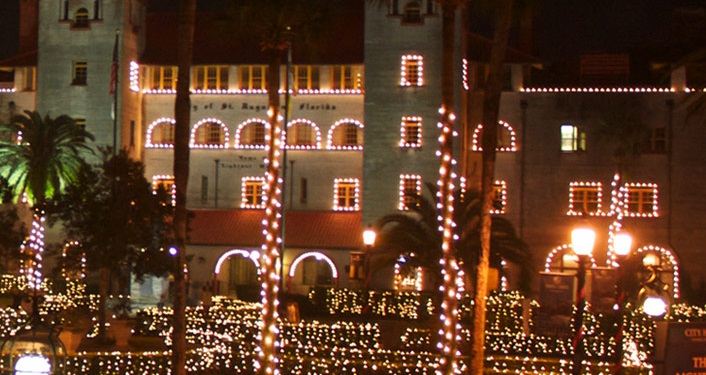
(669, 256)
(314, 137)
(252, 255)
(244, 137)
(506, 142)
(319, 256)
(159, 125)
(81, 18)
(412, 12)
(561, 249)
(346, 122)
(205, 142)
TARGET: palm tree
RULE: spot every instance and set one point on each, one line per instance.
(417, 232)
(277, 25)
(182, 115)
(39, 158)
(491, 108)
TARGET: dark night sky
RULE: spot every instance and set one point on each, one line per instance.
(562, 27)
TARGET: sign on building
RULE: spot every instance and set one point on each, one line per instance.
(683, 350)
(556, 299)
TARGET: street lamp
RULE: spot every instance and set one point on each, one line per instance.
(369, 236)
(622, 244)
(582, 241)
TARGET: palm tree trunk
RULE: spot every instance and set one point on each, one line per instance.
(267, 356)
(448, 363)
(103, 285)
(182, 114)
(491, 107)
(34, 247)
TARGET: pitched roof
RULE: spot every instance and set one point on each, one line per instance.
(303, 229)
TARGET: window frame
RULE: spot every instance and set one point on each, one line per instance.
(406, 138)
(247, 73)
(79, 72)
(351, 196)
(159, 79)
(310, 75)
(404, 198)
(252, 192)
(168, 182)
(645, 207)
(580, 194)
(574, 143)
(202, 77)
(499, 195)
(412, 70)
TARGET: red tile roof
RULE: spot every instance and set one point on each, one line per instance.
(303, 229)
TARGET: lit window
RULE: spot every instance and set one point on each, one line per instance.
(164, 78)
(163, 134)
(253, 77)
(303, 134)
(306, 77)
(640, 200)
(412, 12)
(657, 142)
(80, 73)
(356, 268)
(499, 197)
(29, 78)
(345, 194)
(252, 192)
(410, 191)
(572, 139)
(344, 78)
(254, 134)
(412, 70)
(81, 18)
(346, 134)
(211, 77)
(166, 183)
(411, 132)
(209, 133)
(585, 198)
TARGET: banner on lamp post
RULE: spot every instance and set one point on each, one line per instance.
(557, 291)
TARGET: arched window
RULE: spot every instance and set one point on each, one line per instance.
(507, 140)
(317, 269)
(209, 133)
(251, 134)
(160, 134)
(303, 135)
(412, 12)
(81, 18)
(346, 134)
(238, 272)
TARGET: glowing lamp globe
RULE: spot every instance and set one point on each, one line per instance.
(654, 306)
(32, 364)
(622, 243)
(582, 241)
(650, 260)
(369, 237)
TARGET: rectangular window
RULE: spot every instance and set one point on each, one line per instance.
(253, 77)
(132, 133)
(30, 78)
(499, 197)
(585, 198)
(573, 139)
(80, 73)
(411, 132)
(345, 194)
(166, 183)
(214, 134)
(351, 136)
(343, 78)
(410, 191)
(356, 268)
(204, 189)
(303, 190)
(252, 192)
(306, 77)
(412, 71)
(657, 142)
(211, 77)
(164, 78)
(640, 200)
(80, 122)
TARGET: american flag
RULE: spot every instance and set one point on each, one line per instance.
(114, 66)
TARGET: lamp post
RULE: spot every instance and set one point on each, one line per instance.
(369, 236)
(582, 241)
(622, 244)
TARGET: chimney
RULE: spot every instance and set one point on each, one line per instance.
(29, 17)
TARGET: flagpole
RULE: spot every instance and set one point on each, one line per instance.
(286, 206)
(115, 73)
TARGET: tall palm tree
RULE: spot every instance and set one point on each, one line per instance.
(277, 25)
(491, 108)
(39, 158)
(182, 115)
(417, 232)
